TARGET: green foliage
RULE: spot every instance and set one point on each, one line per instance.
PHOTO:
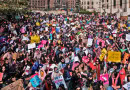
(87, 12)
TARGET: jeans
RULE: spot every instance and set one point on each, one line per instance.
(110, 88)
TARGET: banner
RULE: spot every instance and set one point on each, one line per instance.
(58, 81)
(32, 45)
(35, 39)
(90, 42)
(17, 85)
(103, 53)
(42, 74)
(114, 56)
(104, 78)
(35, 81)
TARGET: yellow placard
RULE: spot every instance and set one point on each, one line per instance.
(35, 39)
(37, 24)
(114, 56)
(103, 53)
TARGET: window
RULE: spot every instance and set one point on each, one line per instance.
(107, 0)
(114, 3)
(102, 0)
(107, 6)
(85, 3)
(121, 3)
(92, 3)
(88, 3)
(92, 7)
(129, 3)
(88, 7)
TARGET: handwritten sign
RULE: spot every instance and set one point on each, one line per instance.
(35, 81)
(114, 56)
(126, 56)
(58, 81)
(104, 78)
(35, 39)
(32, 45)
(103, 53)
(17, 85)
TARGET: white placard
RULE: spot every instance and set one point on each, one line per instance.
(30, 46)
(128, 37)
(90, 41)
(127, 86)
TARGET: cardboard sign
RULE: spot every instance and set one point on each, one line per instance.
(58, 81)
(114, 56)
(42, 74)
(30, 46)
(90, 42)
(17, 85)
(35, 81)
(103, 53)
(35, 39)
(128, 37)
(104, 78)
(1, 76)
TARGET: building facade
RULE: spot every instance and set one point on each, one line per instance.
(51, 4)
(109, 6)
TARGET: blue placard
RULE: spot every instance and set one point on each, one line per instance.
(35, 81)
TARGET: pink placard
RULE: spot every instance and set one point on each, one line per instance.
(85, 59)
(1, 76)
(40, 46)
(104, 78)
(43, 42)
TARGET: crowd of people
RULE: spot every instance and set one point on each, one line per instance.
(66, 52)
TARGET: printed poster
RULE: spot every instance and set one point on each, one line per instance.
(35, 81)
(103, 53)
(114, 56)
(104, 78)
(59, 80)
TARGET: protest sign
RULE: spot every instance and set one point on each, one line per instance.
(114, 56)
(42, 74)
(58, 81)
(85, 59)
(104, 78)
(128, 37)
(103, 53)
(35, 39)
(127, 86)
(1, 76)
(17, 85)
(32, 45)
(37, 24)
(126, 56)
(35, 81)
(90, 42)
